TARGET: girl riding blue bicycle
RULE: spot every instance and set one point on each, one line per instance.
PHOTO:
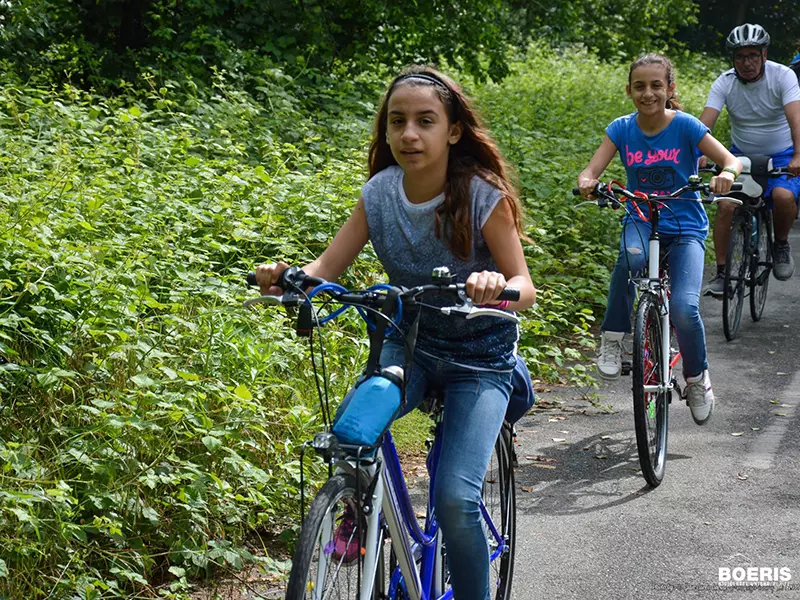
(439, 194)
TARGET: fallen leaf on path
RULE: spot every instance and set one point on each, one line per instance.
(771, 351)
(786, 405)
(600, 456)
(738, 433)
(742, 477)
(538, 458)
(541, 466)
(706, 522)
(563, 431)
(780, 414)
(560, 440)
(605, 437)
(554, 419)
(526, 489)
(773, 401)
(756, 428)
(781, 373)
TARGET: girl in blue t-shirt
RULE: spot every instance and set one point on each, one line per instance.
(657, 144)
(439, 194)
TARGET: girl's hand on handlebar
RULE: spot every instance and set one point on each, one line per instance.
(268, 275)
(587, 186)
(485, 287)
(721, 184)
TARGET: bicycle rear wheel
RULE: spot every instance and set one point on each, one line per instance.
(761, 265)
(499, 498)
(650, 408)
(736, 276)
(320, 568)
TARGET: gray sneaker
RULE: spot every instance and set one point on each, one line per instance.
(715, 286)
(784, 263)
(700, 397)
(609, 359)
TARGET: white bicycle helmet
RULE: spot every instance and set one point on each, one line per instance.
(747, 35)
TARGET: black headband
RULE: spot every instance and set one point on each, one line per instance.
(422, 76)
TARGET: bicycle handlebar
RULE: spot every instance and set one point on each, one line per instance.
(294, 280)
(775, 172)
(607, 194)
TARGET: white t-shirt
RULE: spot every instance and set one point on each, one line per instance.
(758, 120)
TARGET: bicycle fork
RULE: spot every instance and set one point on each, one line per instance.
(653, 259)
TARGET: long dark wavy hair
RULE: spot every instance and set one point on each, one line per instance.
(658, 59)
(475, 153)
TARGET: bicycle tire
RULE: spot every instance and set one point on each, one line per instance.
(650, 409)
(499, 497)
(736, 276)
(315, 547)
(761, 266)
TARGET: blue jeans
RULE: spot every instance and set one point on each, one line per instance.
(686, 257)
(475, 403)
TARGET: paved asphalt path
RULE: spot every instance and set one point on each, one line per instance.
(589, 527)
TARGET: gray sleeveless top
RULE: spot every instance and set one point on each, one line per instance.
(403, 236)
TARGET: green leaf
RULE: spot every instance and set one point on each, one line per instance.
(211, 442)
(243, 393)
(178, 571)
(143, 380)
(3, 568)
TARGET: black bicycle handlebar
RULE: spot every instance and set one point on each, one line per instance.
(295, 278)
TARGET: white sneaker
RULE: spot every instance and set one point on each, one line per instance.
(700, 397)
(609, 359)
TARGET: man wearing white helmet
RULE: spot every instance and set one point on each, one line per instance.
(763, 101)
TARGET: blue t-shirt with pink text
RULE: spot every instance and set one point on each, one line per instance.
(660, 164)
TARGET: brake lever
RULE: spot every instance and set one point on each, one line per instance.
(716, 199)
(469, 311)
(288, 299)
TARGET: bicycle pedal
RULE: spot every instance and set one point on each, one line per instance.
(626, 367)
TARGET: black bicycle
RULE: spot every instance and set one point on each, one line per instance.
(749, 257)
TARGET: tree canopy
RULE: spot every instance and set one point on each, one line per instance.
(99, 43)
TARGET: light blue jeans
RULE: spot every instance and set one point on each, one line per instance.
(686, 257)
(475, 403)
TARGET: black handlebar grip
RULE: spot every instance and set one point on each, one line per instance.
(287, 278)
(510, 294)
(290, 277)
(737, 187)
(576, 192)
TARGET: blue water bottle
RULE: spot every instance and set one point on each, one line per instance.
(370, 408)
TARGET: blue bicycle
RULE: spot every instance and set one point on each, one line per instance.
(362, 538)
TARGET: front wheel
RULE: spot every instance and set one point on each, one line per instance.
(650, 407)
(736, 276)
(761, 265)
(326, 561)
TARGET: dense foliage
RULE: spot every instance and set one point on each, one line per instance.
(150, 424)
(102, 43)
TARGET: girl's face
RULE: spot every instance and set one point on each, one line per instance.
(649, 89)
(418, 130)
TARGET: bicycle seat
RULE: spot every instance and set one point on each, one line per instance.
(754, 175)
